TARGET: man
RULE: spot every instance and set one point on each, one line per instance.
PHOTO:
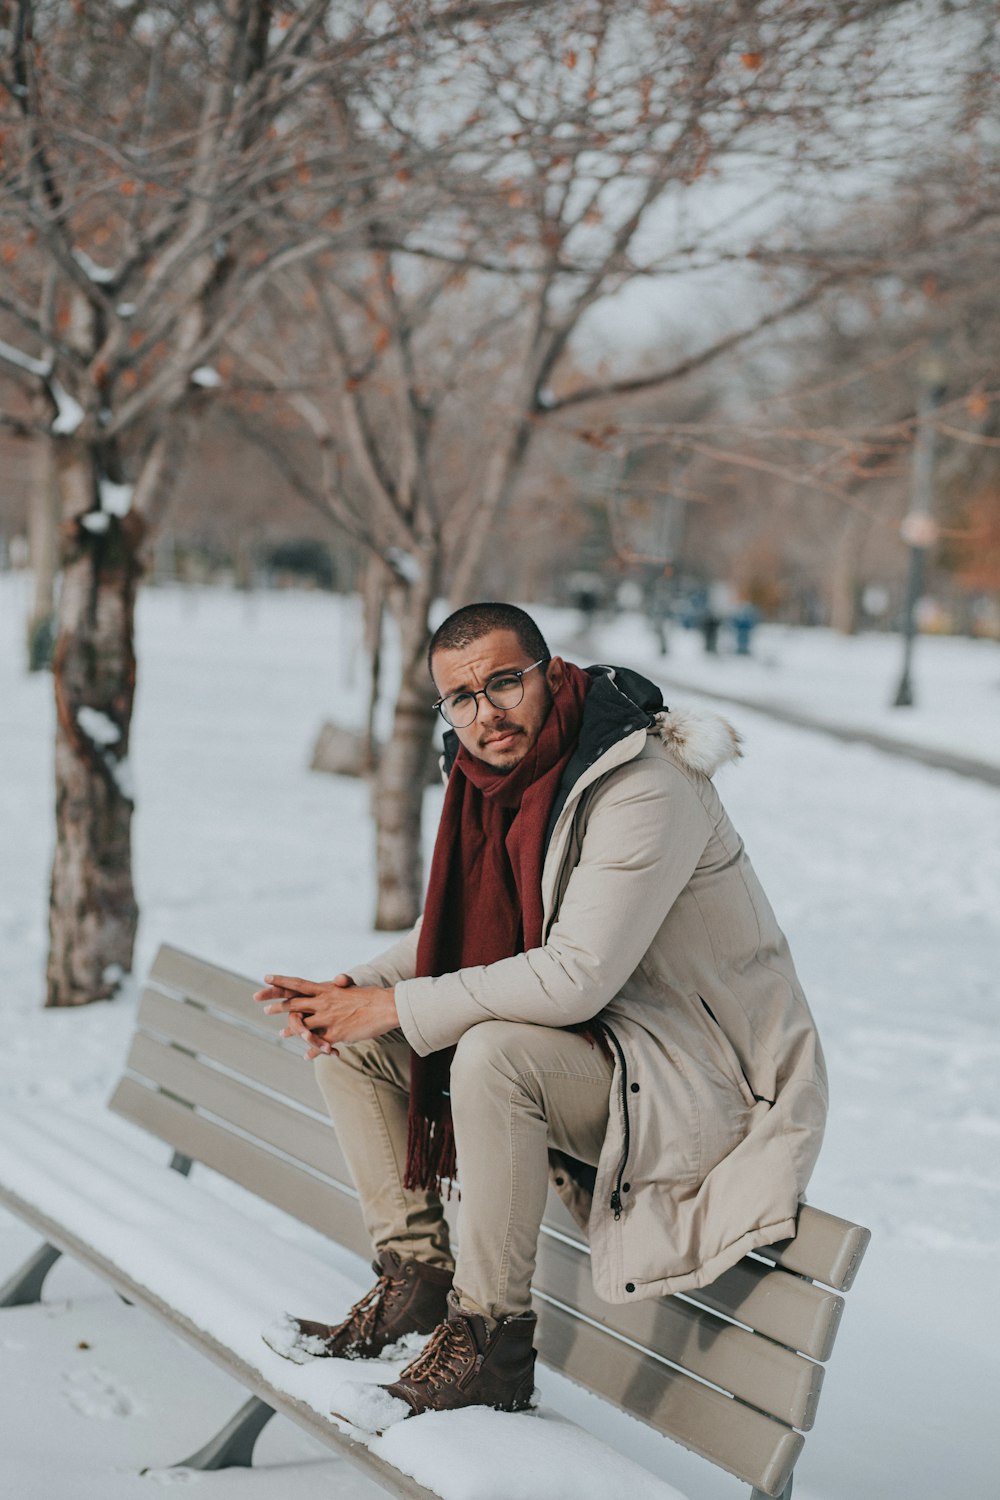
(597, 988)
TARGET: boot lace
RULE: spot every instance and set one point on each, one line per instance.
(444, 1359)
(362, 1320)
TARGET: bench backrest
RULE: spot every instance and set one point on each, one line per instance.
(732, 1371)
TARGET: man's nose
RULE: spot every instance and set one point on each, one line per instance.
(488, 712)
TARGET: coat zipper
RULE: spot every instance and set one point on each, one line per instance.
(616, 1195)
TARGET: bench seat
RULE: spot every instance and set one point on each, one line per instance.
(733, 1371)
(98, 1190)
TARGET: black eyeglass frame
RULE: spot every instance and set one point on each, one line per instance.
(484, 692)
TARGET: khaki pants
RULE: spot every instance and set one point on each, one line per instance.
(516, 1090)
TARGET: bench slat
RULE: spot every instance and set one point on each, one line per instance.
(776, 1303)
(220, 989)
(754, 1447)
(261, 1059)
(825, 1248)
(766, 1375)
(301, 1136)
(332, 1210)
(781, 1306)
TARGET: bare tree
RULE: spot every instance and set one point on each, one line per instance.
(144, 151)
(405, 222)
(573, 153)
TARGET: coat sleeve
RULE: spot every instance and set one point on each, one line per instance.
(646, 831)
(397, 962)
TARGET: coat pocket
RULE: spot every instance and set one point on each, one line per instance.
(727, 1056)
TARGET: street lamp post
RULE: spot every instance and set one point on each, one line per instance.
(919, 529)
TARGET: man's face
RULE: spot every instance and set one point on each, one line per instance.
(501, 737)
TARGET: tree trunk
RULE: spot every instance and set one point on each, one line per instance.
(92, 908)
(844, 573)
(373, 613)
(43, 540)
(403, 767)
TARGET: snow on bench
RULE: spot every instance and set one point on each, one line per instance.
(733, 1372)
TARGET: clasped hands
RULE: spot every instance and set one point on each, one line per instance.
(335, 1010)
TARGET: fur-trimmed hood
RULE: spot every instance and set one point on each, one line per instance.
(620, 702)
(701, 740)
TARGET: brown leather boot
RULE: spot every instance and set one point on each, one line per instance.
(468, 1363)
(408, 1297)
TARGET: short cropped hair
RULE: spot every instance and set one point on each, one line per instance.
(473, 621)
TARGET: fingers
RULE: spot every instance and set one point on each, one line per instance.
(318, 1045)
(292, 985)
(284, 987)
(272, 992)
(324, 1051)
(300, 1025)
(298, 1005)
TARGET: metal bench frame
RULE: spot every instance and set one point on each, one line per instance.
(733, 1371)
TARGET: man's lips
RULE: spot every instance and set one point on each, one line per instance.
(498, 739)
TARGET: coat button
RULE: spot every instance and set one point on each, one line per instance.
(630, 1286)
(626, 1187)
(635, 1088)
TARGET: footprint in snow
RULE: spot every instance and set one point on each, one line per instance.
(96, 1393)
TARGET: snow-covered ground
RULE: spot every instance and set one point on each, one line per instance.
(885, 874)
(848, 683)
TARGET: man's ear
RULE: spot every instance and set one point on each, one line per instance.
(554, 674)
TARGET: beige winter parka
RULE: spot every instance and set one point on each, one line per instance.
(656, 925)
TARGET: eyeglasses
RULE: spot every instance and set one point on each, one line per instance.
(505, 690)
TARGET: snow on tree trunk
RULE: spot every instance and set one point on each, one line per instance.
(402, 770)
(92, 907)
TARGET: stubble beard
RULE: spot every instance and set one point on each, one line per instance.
(507, 760)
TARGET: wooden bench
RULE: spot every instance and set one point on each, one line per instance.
(733, 1371)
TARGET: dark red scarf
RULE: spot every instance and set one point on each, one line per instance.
(484, 897)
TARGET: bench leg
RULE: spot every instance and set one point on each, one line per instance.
(25, 1286)
(232, 1446)
(786, 1493)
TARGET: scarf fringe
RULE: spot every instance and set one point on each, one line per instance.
(430, 1155)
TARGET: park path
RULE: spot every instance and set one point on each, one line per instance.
(801, 718)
